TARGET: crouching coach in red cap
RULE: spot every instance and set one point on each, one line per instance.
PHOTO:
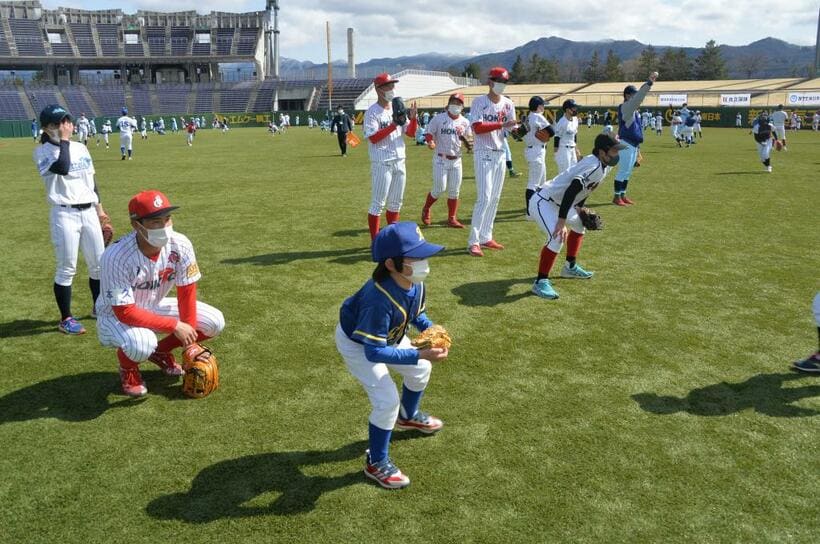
(137, 273)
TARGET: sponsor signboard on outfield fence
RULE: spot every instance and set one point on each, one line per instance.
(742, 99)
(804, 99)
(671, 99)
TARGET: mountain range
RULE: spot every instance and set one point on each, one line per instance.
(766, 58)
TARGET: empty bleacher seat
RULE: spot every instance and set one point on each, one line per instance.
(156, 40)
(28, 36)
(11, 107)
(62, 49)
(84, 39)
(76, 101)
(40, 98)
(180, 40)
(141, 97)
(204, 98)
(173, 98)
(109, 98)
(109, 39)
(4, 45)
(248, 38)
(224, 41)
(134, 50)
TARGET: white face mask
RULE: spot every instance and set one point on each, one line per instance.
(453, 109)
(158, 237)
(388, 95)
(420, 271)
(498, 88)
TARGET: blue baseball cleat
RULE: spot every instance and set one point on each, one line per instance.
(811, 364)
(543, 288)
(71, 326)
(575, 272)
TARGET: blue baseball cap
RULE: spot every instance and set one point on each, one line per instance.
(402, 239)
(53, 114)
(124, 111)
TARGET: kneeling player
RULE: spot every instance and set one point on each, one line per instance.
(554, 209)
(137, 272)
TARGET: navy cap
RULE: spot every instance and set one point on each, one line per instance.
(569, 104)
(402, 239)
(536, 101)
(53, 114)
(630, 89)
(605, 142)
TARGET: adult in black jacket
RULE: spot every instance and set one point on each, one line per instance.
(342, 124)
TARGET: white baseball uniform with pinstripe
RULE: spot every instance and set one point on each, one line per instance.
(83, 128)
(544, 205)
(490, 169)
(71, 228)
(778, 119)
(129, 277)
(127, 126)
(535, 151)
(387, 168)
(447, 167)
(567, 130)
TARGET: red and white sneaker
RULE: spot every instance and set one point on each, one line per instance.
(167, 362)
(422, 421)
(425, 216)
(618, 201)
(385, 473)
(627, 201)
(492, 244)
(131, 381)
(475, 251)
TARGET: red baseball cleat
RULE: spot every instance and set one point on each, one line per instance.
(492, 244)
(425, 216)
(385, 473)
(475, 251)
(131, 381)
(167, 363)
(454, 223)
(627, 201)
(618, 201)
(422, 421)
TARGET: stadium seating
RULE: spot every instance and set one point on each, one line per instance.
(109, 98)
(4, 45)
(235, 99)
(345, 92)
(141, 100)
(248, 38)
(109, 40)
(201, 49)
(84, 39)
(224, 41)
(40, 98)
(156, 40)
(134, 50)
(62, 49)
(180, 41)
(76, 101)
(264, 97)
(173, 98)
(204, 98)
(11, 107)
(28, 37)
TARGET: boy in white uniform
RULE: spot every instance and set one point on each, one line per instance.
(566, 137)
(535, 150)
(778, 119)
(127, 126)
(83, 128)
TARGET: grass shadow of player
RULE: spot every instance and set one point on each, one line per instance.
(225, 489)
(763, 393)
(491, 293)
(350, 233)
(343, 256)
(26, 327)
(79, 397)
(746, 173)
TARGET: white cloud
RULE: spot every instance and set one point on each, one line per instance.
(408, 27)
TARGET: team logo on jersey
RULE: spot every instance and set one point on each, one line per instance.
(173, 257)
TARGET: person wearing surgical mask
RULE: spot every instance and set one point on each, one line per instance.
(372, 338)
(555, 209)
(137, 273)
(446, 133)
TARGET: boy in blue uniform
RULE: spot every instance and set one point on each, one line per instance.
(371, 337)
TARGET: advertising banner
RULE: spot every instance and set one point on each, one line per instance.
(671, 99)
(742, 99)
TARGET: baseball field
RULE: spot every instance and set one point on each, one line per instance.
(652, 403)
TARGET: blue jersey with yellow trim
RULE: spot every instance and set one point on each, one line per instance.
(379, 313)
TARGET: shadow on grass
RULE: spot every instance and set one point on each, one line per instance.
(223, 490)
(763, 393)
(343, 256)
(747, 173)
(26, 327)
(490, 293)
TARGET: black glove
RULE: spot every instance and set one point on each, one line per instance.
(399, 111)
(590, 219)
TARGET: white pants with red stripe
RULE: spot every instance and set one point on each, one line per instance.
(72, 230)
(447, 175)
(545, 213)
(490, 172)
(389, 178)
(376, 380)
(138, 343)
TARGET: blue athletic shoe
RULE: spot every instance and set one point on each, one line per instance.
(543, 288)
(810, 364)
(71, 326)
(575, 272)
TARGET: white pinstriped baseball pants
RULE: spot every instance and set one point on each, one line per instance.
(389, 178)
(489, 178)
(447, 175)
(138, 343)
(376, 380)
(72, 230)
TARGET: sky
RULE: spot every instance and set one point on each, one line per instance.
(386, 28)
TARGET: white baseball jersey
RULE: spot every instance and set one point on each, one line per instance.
(106, 128)
(391, 147)
(588, 170)
(535, 122)
(447, 133)
(779, 118)
(129, 277)
(127, 125)
(567, 130)
(484, 110)
(83, 125)
(76, 187)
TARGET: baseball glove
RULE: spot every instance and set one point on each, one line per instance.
(107, 230)
(778, 145)
(433, 337)
(638, 160)
(590, 219)
(399, 111)
(201, 371)
(519, 132)
(544, 134)
(468, 144)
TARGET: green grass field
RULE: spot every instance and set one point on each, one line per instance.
(653, 403)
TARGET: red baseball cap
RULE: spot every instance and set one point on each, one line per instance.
(149, 204)
(457, 96)
(383, 79)
(499, 73)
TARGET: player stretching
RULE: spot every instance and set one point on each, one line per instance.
(76, 212)
(631, 133)
(764, 133)
(490, 115)
(535, 151)
(445, 132)
(137, 273)
(554, 209)
(371, 337)
(127, 126)
(778, 120)
(387, 153)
